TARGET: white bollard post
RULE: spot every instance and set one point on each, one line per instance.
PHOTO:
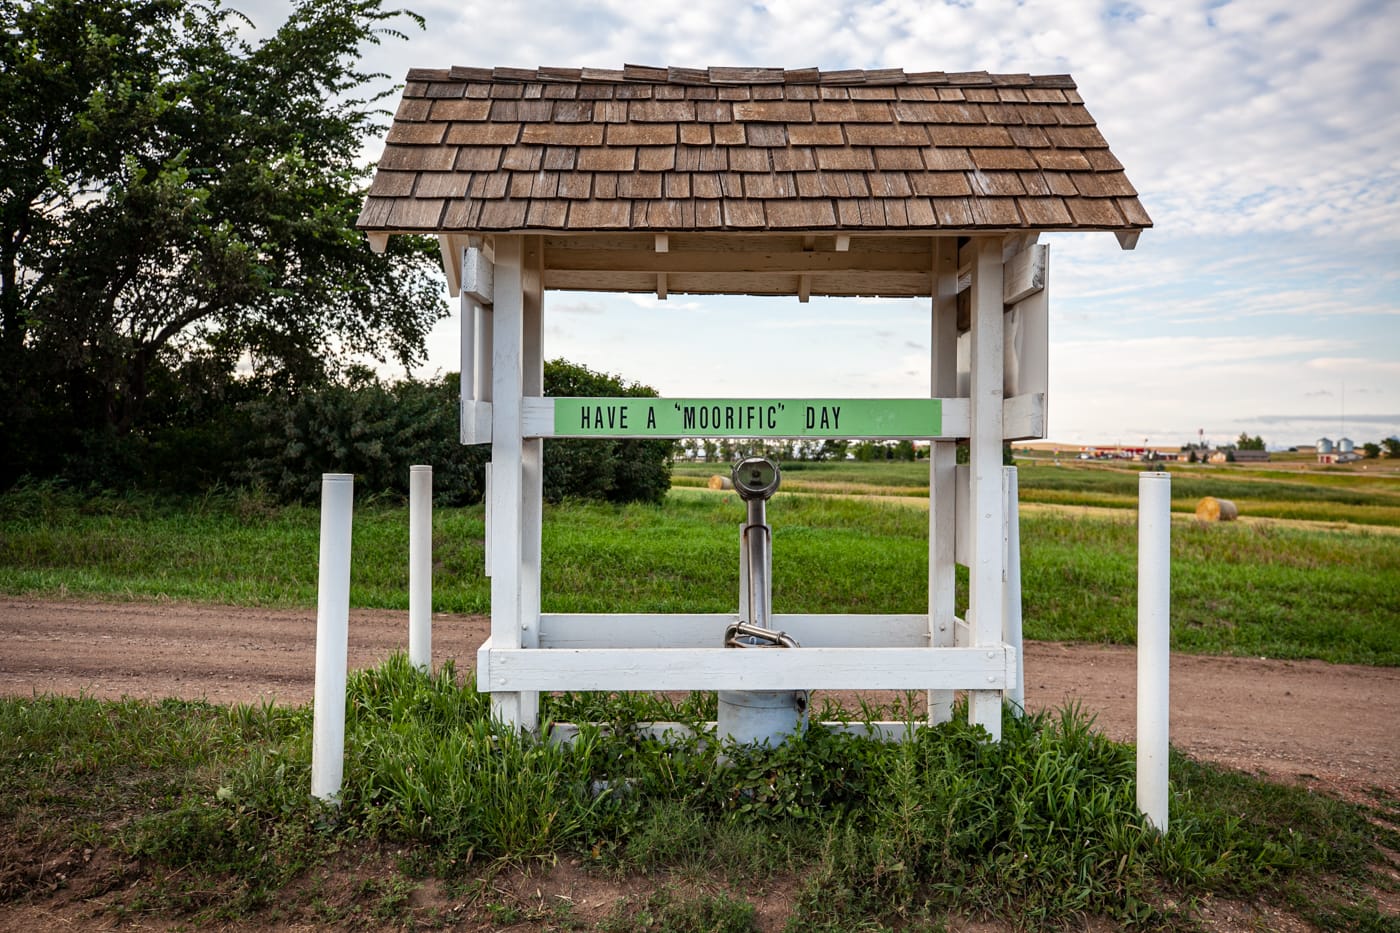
(420, 567)
(332, 636)
(1154, 645)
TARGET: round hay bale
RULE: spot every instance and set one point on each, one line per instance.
(720, 482)
(1211, 509)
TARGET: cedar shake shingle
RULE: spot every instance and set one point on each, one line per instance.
(677, 149)
(599, 215)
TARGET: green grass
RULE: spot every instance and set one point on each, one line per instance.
(209, 809)
(1272, 589)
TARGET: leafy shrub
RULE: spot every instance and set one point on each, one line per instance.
(632, 470)
(367, 427)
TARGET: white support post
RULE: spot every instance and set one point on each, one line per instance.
(531, 465)
(332, 636)
(467, 348)
(485, 341)
(1011, 596)
(943, 364)
(420, 567)
(1154, 645)
(507, 441)
(987, 570)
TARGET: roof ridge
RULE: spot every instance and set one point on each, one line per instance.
(731, 75)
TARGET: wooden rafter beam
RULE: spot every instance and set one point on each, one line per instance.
(663, 245)
(701, 261)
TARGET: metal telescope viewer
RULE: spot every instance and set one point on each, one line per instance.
(754, 716)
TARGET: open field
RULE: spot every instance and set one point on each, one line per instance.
(1263, 587)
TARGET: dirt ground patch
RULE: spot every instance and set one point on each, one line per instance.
(1332, 725)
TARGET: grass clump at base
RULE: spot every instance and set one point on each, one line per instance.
(1041, 828)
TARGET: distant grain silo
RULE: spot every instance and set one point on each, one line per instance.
(1345, 445)
(1324, 445)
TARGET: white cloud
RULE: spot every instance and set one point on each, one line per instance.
(1260, 133)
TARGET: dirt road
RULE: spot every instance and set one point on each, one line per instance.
(1336, 726)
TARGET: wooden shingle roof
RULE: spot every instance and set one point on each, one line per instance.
(674, 150)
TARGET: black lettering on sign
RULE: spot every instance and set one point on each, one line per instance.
(688, 418)
(826, 418)
(651, 417)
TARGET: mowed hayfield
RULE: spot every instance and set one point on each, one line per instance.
(1311, 569)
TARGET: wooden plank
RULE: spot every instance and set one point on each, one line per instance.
(699, 261)
(1023, 417)
(706, 630)
(1024, 274)
(475, 422)
(985, 669)
(476, 274)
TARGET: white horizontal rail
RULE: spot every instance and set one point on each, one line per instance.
(706, 630)
(515, 669)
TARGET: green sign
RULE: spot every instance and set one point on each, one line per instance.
(748, 417)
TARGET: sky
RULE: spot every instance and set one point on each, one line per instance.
(1263, 137)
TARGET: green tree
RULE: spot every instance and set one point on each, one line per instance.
(630, 470)
(177, 202)
(1392, 446)
(1249, 443)
(365, 426)
(1371, 450)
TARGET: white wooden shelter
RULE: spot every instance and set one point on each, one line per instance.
(752, 182)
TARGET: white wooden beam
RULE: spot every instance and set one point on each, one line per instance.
(507, 443)
(531, 465)
(378, 242)
(1023, 417)
(984, 668)
(478, 275)
(943, 372)
(1024, 274)
(843, 243)
(791, 262)
(706, 630)
(985, 498)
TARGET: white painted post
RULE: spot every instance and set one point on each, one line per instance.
(332, 636)
(420, 567)
(531, 464)
(507, 448)
(943, 366)
(987, 570)
(1154, 645)
(1011, 600)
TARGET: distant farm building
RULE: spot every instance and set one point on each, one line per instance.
(1344, 452)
